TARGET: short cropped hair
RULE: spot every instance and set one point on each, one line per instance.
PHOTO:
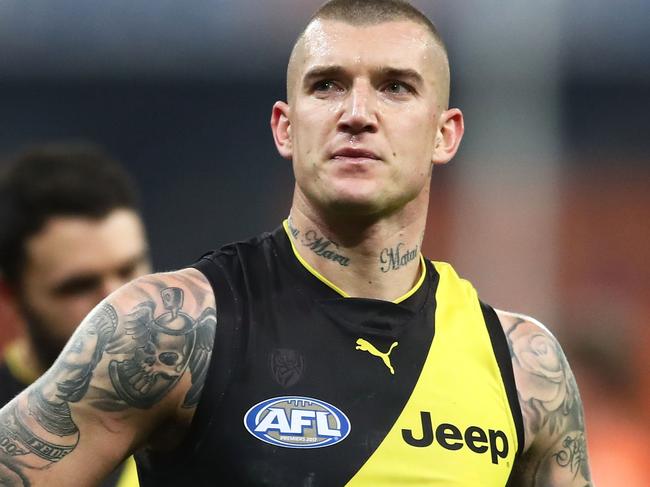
(371, 12)
(364, 13)
(78, 180)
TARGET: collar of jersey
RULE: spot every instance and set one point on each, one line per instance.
(334, 287)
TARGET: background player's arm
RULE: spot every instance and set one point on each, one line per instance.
(136, 362)
(555, 453)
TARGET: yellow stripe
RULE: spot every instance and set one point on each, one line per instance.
(333, 286)
(129, 476)
(459, 384)
(306, 265)
(17, 367)
(423, 273)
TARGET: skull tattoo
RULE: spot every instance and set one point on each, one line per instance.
(161, 349)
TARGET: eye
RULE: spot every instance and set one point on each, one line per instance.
(325, 86)
(397, 88)
(77, 286)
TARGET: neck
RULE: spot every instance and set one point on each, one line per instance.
(364, 257)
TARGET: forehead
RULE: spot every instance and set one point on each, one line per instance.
(74, 245)
(399, 44)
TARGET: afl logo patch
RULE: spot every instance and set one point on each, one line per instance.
(297, 422)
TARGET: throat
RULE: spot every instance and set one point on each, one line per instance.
(388, 273)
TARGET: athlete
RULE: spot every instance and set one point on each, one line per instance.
(328, 352)
(70, 234)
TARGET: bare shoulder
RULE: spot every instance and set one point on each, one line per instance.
(137, 362)
(166, 332)
(555, 452)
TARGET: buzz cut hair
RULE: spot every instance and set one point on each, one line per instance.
(372, 12)
(366, 13)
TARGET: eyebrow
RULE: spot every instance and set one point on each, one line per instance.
(335, 71)
(320, 72)
(402, 73)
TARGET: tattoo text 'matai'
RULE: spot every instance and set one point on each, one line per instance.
(396, 257)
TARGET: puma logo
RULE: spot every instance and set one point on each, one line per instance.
(366, 346)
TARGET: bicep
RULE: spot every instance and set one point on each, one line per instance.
(133, 363)
(555, 453)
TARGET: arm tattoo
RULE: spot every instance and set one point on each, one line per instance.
(159, 351)
(46, 429)
(551, 403)
(148, 352)
(11, 476)
(395, 258)
(573, 455)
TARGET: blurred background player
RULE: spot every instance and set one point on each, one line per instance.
(70, 234)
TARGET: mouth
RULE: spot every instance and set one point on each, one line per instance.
(354, 155)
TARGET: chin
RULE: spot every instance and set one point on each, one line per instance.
(355, 205)
(350, 198)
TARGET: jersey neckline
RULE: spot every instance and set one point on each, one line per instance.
(337, 289)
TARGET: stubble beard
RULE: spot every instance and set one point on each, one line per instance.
(45, 344)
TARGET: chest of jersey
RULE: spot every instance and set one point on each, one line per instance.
(311, 389)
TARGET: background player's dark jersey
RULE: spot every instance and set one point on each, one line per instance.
(309, 388)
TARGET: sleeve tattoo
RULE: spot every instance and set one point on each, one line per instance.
(551, 408)
(147, 351)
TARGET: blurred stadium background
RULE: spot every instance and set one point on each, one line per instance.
(546, 207)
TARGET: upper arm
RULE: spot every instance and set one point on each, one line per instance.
(555, 453)
(138, 359)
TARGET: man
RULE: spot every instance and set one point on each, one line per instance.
(329, 352)
(70, 234)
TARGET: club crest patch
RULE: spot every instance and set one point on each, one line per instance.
(297, 422)
(287, 366)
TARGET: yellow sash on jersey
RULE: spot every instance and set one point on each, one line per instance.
(461, 393)
(129, 476)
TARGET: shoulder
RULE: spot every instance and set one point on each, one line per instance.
(168, 321)
(192, 283)
(544, 380)
(555, 446)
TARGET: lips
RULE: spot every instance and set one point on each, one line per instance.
(350, 153)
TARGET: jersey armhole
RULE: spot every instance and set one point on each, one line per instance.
(504, 360)
(156, 467)
(222, 361)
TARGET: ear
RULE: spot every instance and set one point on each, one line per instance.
(281, 128)
(451, 127)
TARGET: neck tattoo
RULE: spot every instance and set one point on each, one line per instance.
(396, 257)
(319, 245)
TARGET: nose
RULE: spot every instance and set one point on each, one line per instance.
(359, 113)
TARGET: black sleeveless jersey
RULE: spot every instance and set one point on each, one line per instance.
(305, 386)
